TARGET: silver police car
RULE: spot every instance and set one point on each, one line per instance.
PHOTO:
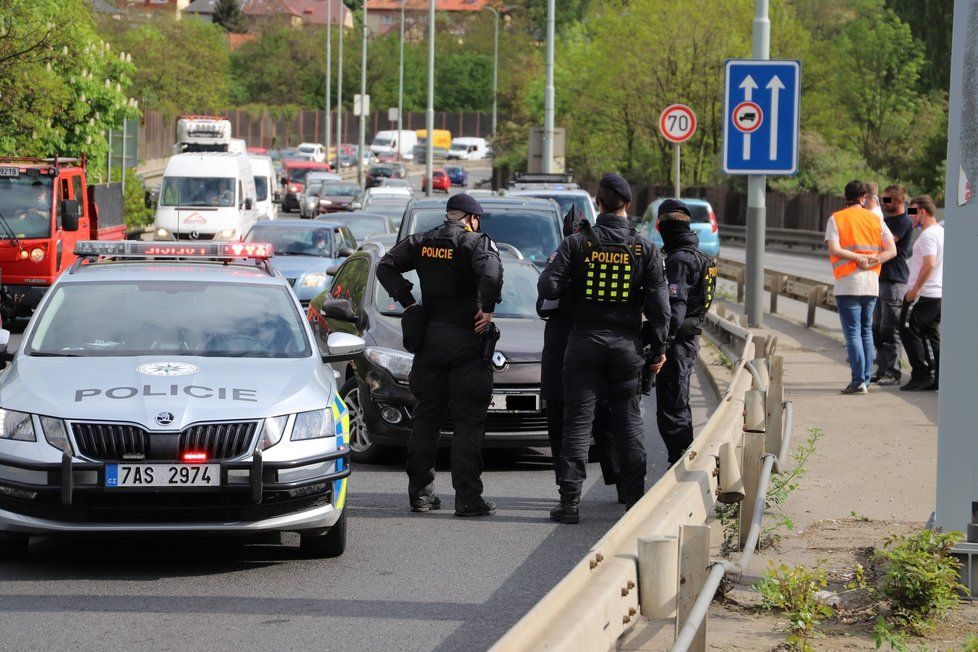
(172, 387)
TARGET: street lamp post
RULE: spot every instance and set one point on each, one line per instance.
(430, 118)
(361, 150)
(495, 67)
(339, 92)
(329, 66)
(548, 107)
(400, 86)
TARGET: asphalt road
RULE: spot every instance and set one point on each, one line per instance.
(809, 265)
(407, 581)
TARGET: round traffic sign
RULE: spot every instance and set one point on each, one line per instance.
(677, 123)
(747, 117)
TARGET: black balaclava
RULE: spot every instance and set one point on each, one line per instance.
(673, 231)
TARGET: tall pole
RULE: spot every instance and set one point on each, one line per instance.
(339, 90)
(676, 169)
(548, 107)
(430, 117)
(400, 86)
(495, 68)
(756, 189)
(329, 70)
(362, 149)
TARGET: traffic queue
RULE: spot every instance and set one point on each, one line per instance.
(137, 402)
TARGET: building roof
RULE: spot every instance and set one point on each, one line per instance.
(201, 7)
(419, 5)
(310, 11)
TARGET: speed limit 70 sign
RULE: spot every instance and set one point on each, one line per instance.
(677, 123)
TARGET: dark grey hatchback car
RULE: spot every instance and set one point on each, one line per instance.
(375, 384)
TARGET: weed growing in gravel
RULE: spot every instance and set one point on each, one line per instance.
(793, 591)
(921, 578)
(782, 486)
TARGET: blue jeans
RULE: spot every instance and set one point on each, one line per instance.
(856, 314)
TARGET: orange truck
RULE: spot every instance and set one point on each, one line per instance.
(46, 205)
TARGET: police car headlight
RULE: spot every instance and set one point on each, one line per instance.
(396, 363)
(313, 425)
(315, 280)
(16, 426)
(271, 432)
(56, 434)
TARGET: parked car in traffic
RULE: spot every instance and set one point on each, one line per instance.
(565, 198)
(703, 222)
(440, 181)
(335, 197)
(311, 152)
(294, 174)
(309, 195)
(457, 175)
(363, 225)
(377, 173)
(533, 226)
(375, 385)
(304, 250)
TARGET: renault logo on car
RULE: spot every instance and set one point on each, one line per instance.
(499, 362)
(164, 418)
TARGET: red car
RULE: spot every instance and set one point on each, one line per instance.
(294, 177)
(440, 181)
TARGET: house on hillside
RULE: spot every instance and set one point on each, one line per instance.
(172, 7)
(384, 16)
(298, 12)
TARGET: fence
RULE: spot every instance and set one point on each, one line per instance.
(264, 130)
(815, 293)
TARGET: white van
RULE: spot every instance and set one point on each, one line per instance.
(263, 169)
(205, 196)
(395, 142)
(311, 152)
(467, 149)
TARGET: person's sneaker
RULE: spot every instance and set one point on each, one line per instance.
(917, 385)
(852, 388)
(425, 503)
(478, 507)
(889, 380)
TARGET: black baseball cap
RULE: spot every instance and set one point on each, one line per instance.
(673, 206)
(617, 183)
(465, 203)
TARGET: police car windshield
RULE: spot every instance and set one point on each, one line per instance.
(294, 240)
(171, 318)
(25, 202)
(519, 293)
(197, 191)
(533, 232)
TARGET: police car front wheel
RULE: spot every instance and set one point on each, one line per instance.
(330, 544)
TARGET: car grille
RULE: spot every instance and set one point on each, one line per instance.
(507, 423)
(188, 235)
(123, 442)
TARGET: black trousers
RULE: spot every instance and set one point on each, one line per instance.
(449, 375)
(603, 442)
(921, 334)
(672, 413)
(886, 328)
(607, 364)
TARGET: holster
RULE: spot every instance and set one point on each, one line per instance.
(414, 321)
(489, 339)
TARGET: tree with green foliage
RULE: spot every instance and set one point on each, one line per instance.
(62, 86)
(181, 66)
(228, 14)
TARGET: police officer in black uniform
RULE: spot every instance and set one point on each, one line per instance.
(615, 276)
(461, 280)
(691, 275)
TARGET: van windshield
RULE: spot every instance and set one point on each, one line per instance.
(25, 202)
(307, 149)
(459, 147)
(197, 191)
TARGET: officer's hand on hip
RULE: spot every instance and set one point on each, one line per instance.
(656, 366)
(482, 320)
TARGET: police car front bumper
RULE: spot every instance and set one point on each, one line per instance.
(254, 496)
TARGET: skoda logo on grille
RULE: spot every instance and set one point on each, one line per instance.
(164, 418)
(499, 362)
(167, 369)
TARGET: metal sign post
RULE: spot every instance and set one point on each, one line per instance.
(677, 125)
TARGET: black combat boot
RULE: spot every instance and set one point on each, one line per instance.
(567, 510)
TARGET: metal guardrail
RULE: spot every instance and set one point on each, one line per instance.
(638, 564)
(791, 238)
(816, 294)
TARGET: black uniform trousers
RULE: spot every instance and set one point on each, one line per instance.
(449, 374)
(672, 413)
(920, 330)
(606, 364)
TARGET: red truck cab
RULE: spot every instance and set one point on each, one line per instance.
(46, 206)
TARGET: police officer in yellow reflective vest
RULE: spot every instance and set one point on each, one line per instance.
(461, 280)
(691, 275)
(615, 275)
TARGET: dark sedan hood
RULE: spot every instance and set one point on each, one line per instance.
(521, 340)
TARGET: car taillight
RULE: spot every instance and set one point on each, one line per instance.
(713, 222)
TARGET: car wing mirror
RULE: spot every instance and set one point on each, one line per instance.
(339, 309)
(69, 214)
(345, 251)
(343, 346)
(248, 204)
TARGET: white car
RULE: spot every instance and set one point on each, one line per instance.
(173, 397)
(311, 152)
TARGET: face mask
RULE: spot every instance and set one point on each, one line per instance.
(672, 229)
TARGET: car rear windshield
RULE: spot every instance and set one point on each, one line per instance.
(582, 202)
(381, 170)
(333, 189)
(362, 226)
(294, 240)
(533, 232)
(171, 318)
(519, 293)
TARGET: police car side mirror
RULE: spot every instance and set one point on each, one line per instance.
(343, 346)
(339, 309)
(69, 214)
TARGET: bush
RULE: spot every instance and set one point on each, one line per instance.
(921, 579)
(792, 590)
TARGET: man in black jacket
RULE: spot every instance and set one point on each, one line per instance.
(615, 276)
(461, 280)
(690, 292)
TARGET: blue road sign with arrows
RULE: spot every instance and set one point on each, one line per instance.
(761, 103)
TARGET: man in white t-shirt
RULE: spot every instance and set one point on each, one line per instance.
(920, 316)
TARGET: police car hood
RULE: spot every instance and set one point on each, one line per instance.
(138, 389)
